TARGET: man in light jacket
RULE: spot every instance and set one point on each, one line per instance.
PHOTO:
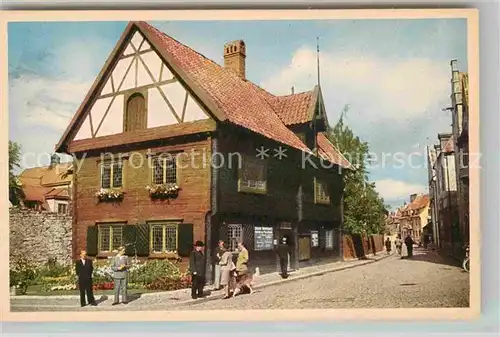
(120, 268)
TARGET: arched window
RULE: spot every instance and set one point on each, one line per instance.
(135, 113)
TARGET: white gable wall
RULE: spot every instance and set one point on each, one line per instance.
(140, 68)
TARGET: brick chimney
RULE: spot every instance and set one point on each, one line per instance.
(413, 197)
(234, 57)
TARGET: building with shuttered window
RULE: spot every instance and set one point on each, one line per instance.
(174, 148)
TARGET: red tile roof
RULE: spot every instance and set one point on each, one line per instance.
(329, 152)
(57, 193)
(238, 99)
(35, 193)
(228, 96)
(420, 201)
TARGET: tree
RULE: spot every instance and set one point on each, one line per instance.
(364, 209)
(15, 190)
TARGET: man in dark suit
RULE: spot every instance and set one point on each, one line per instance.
(197, 269)
(283, 250)
(84, 270)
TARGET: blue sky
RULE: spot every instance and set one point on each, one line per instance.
(394, 75)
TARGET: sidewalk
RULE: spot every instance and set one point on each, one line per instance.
(183, 296)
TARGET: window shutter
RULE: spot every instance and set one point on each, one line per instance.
(185, 239)
(92, 241)
(142, 239)
(129, 236)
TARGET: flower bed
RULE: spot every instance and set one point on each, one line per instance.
(159, 275)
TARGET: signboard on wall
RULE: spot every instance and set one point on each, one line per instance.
(263, 238)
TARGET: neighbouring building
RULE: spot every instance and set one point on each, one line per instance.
(446, 192)
(414, 218)
(48, 188)
(392, 223)
(177, 148)
(433, 194)
(460, 127)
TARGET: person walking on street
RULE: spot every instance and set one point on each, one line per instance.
(120, 268)
(84, 270)
(409, 245)
(228, 269)
(399, 244)
(197, 269)
(388, 246)
(217, 257)
(283, 250)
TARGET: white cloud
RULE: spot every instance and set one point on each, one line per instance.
(391, 189)
(401, 88)
(39, 101)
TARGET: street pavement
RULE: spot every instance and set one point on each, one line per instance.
(428, 280)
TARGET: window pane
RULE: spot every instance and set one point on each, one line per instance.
(234, 235)
(157, 238)
(104, 238)
(171, 236)
(106, 176)
(157, 171)
(171, 171)
(117, 237)
(253, 173)
(117, 175)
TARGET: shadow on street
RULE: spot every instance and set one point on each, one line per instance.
(424, 255)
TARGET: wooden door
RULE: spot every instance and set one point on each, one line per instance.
(135, 118)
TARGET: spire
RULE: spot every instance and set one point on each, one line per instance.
(317, 59)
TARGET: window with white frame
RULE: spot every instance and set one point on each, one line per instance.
(329, 239)
(112, 174)
(252, 175)
(164, 169)
(164, 237)
(234, 234)
(110, 237)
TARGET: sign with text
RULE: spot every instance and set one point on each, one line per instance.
(263, 238)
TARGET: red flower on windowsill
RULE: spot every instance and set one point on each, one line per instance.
(109, 194)
(163, 190)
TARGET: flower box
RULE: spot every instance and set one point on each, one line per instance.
(109, 195)
(163, 190)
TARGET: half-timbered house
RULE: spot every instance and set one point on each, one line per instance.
(172, 148)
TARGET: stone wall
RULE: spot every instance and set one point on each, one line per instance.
(39, 236)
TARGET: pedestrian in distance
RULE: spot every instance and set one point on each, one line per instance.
(388, 245)
(216, 260)
(283, 250)
(84, 269)
(399, 244)
(120, 268)
(197, 269)
(409, 245)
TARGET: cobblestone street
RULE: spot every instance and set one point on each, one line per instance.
(426, 280)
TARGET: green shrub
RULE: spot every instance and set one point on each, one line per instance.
(22, 273)
(152, 270)
(168, 283)
(53, 269)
